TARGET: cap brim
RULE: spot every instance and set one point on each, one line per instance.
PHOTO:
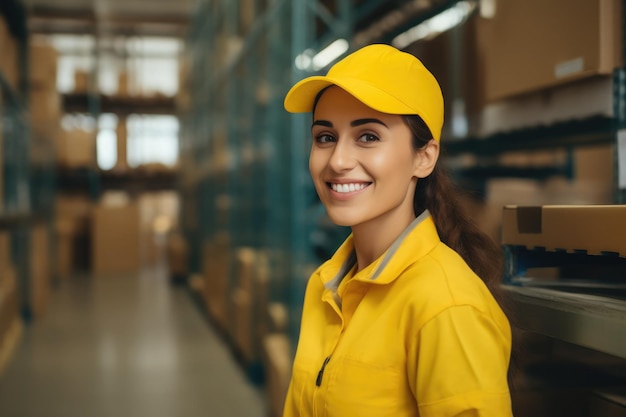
(301, 96)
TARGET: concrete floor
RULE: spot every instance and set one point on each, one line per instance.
(122, 346)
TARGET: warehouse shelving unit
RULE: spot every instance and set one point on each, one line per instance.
(591, 316)
(88, 101)
(27, 187)
(584, 318)
(244, 158)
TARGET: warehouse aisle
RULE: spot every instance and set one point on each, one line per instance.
(125, 346)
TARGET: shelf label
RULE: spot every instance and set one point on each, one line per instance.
(567, 68)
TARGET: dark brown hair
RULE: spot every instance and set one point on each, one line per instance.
(442, 198)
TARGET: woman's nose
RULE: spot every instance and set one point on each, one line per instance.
(342, 157)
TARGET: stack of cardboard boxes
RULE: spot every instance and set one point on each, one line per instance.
(158, 213)
(72, 223)
(44, 100)
(177, 254)
(76, 148)
(531, 64)
(216, 265)
(9, 301)
(277, 357)
(40, 267)
(10, 323)
(115, 236)
(249, 302)
(9, 62)
(1, 159)
(255, 325)
(9, 73)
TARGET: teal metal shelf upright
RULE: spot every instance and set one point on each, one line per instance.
(246, 158)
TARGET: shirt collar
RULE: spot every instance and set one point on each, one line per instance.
(419, 238)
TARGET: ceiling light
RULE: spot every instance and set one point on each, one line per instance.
(442, 22)
(309, 61)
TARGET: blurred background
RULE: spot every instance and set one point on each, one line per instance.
(158, 223)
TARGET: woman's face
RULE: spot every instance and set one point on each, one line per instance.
(362, 162)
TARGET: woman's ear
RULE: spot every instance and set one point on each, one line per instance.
(426, 158)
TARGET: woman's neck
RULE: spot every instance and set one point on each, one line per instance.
(373, 238)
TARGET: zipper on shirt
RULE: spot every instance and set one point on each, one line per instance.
(320, 374)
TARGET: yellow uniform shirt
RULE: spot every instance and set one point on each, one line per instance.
(416, 333)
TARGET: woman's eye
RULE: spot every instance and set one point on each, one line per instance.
(324, 138)
(368, 137)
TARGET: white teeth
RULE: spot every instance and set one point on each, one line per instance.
(347, 188)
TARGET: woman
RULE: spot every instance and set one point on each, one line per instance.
(397, 322)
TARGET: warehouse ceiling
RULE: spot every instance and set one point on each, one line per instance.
(371, 18)
(132, 17)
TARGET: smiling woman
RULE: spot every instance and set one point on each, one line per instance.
(403, 320)
(365, 169)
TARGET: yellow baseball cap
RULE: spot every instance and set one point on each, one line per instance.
(381, 77)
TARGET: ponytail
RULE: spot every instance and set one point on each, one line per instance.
(437, 194)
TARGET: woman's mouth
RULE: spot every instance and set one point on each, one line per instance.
(348, 187)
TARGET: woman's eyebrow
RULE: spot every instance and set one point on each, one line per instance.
(360, 122)
(324, 123)
(354, 123)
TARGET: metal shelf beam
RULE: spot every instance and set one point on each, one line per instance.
(586, 320)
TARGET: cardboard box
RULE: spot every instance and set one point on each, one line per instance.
(123, 84)
(247, 12)
(278, 361)
(158, 212)
(250, 301)
(242, 324)
(177, 255)
(43, 64)
(453, 59)
(246, 268)
(2, 152)
(216, 258)
(45, 112)
(9, 307)
(64, 248)
(40, 268)
(74, 213)
(582, 99)
(72, 229)
(9, 56)
(535, 44)
(115, 238)
(261, 297)
(76, 148)
(5, 252)
(592, 229)
(81, 81)
(596, 164)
